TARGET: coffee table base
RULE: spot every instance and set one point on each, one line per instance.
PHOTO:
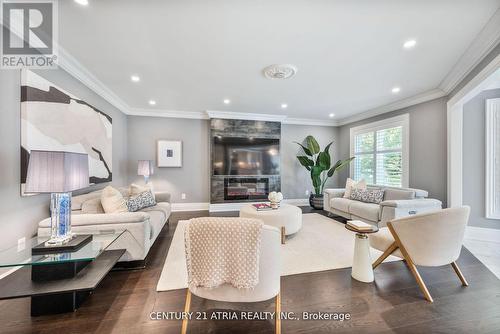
(361, 263)
(57, 303)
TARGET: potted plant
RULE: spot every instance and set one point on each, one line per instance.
(319, 164)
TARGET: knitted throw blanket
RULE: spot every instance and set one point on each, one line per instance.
(223, 250)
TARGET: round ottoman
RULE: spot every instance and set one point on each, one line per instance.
(288, 218)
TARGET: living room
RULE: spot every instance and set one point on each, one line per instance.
(350, 147)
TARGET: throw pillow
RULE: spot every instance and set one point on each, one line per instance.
(368, 195)
(112, 200)
(141, 201)
(350, 184)
(136, 189)
(92, 206)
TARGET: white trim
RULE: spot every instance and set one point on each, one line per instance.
(178, 207)
(408, 102)
(492, 133)
(401, 120)
(237, 206)
(245, 116)
(485, 41)
(168, 113)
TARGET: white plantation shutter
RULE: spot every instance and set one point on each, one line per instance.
(493, 158)
(381, 150)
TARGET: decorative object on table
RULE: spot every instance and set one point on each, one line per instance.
(275, 198)
(319, 164)
(58, 173)
(55, 120)
(361, 263)
(72, 245)
(262, 206)
(141, 201)
(169, 153)
(145, 168)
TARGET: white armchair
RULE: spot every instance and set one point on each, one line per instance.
(430, 239)
(269, 279)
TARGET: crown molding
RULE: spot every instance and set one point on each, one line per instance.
(308, 121)
(486, 40)
(168, 113)
(246, 116)
(413, 100)
(68, 63)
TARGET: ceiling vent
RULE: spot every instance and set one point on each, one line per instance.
(280, 71)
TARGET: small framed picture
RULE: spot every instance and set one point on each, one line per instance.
(169, 153)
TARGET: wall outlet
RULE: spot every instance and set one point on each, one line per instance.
(21, 244)
(183, 196)
(307, 192)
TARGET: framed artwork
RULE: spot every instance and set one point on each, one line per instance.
(53, 119)
(169, 153)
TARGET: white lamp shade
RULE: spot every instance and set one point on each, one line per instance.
(145, 168)
(53, 172)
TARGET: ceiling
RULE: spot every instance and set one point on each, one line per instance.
(191, 55)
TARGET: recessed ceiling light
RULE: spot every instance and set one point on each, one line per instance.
(284, 106)
(82, 2)
(396, 90)
(135, 78)
(332, 115)
(410, 44)
(152, 102)
(226, 101)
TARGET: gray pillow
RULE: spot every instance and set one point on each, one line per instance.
(141, 201)
(368, 195)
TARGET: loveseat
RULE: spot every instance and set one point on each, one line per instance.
(142, 227)
(397, 203)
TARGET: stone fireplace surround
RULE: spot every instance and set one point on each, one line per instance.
(240, 128)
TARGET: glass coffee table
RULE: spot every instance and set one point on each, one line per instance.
(58, 282)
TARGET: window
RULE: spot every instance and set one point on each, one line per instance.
(381, 152)
(493, 158)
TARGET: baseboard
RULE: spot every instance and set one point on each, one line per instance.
(237, 206)
(176, 207)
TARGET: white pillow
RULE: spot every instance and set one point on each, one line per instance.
(112, 200)
(136, 189)
(350, 184)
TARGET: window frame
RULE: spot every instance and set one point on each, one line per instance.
(401, 120)
(491, 133)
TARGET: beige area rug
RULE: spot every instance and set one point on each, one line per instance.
(321, 244)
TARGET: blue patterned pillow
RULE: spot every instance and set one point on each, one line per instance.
(368, 195)
(141, 201)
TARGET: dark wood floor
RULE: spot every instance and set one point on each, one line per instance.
(393, 303)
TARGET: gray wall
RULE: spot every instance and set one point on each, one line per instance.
(295, 179)
(428, 159)
(474, 165)
(20, 215)
(193, 177)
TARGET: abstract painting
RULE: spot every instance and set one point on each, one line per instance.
(55, 120)
(169, 153)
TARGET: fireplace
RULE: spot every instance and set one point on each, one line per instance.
(248, 188)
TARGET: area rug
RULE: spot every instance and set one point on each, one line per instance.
(321, 244)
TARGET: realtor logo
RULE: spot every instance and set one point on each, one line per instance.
(29, 34)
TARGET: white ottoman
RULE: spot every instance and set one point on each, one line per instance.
(288, 218)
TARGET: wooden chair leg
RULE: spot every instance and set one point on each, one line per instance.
(459, 274)
(283, 235)
(411, 265)
(186, 310)
(277, 315)
(386, 253)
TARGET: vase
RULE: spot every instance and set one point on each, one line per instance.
(316, 201)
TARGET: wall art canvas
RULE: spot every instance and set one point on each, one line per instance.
(169, 153)
(55, 120)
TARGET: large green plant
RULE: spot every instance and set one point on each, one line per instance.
(319, 163)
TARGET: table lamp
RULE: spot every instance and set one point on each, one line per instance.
(145, 168)
(57, 173)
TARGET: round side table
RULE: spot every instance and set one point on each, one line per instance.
(361, 263)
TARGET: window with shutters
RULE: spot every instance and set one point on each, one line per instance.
(381, 151)
(493, 158)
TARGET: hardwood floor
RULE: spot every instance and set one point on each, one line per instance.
(393, 303)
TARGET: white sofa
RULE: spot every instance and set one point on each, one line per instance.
(397, 203)
(142, 227)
